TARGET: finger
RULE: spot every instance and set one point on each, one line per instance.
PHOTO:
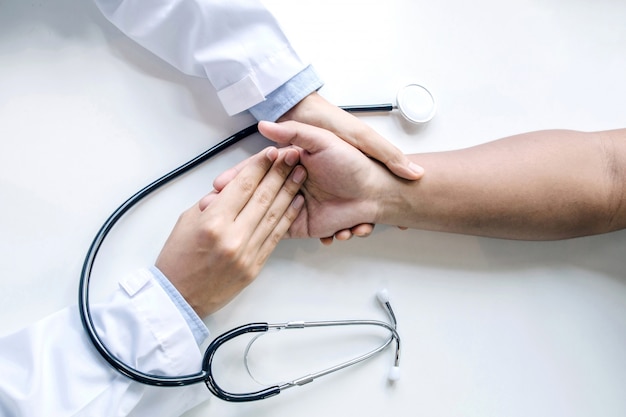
(227, 176)
(315, 110)
(282, 226)
(310, 138)
(313, 139)
(362, 230)
(371, 143)
(207, 200)
(236, 194)
(274, 217)
(345, 234)
(272, 196)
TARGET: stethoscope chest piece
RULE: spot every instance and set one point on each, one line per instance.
(416, 103)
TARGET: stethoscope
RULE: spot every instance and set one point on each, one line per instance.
(417, 105)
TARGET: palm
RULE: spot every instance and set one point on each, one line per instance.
(335, 192)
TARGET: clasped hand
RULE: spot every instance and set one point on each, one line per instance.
(316, 185)
(219, 245)
(344, 189)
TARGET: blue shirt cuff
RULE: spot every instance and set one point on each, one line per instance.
(195, 323)
(281, 100)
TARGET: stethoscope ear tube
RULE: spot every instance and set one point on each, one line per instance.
(207, 366)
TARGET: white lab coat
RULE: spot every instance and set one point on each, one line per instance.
(51, 368)
(236, 44)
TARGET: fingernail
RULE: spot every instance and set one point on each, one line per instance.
(271, 154)
(297, 202)
(416, 168)
(291, 158)
(298, 175)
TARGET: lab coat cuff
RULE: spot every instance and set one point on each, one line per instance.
(196, 325)
(144, 315)
(263, 79)
(287, 95)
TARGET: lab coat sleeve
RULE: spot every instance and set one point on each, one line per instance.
(237, 44)
(51, 368)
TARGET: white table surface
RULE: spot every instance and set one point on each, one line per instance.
(489, 327)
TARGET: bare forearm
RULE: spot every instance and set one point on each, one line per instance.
(540, 185)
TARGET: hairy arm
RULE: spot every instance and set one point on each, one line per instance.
(536, 186)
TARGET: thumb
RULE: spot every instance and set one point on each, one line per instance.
(310, 138)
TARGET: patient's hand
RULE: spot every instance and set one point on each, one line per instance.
(343, 188)
(314, 110)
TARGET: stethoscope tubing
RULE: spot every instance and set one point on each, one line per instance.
(207, 367)
(86, 271)
(311, 377)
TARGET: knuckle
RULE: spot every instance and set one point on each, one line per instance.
(283, 169)
(249, 275)
(245, 183)
(208, 234)
(231, 249)
(264, 198)
(275, 238)
(292, 187)
(291, 214)
(213, 239)
(272, 218)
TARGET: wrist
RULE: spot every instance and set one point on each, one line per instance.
(306, 110)
(196, 325)
(389, 196)
(286, 97)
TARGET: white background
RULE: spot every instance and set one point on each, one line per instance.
(489, 327)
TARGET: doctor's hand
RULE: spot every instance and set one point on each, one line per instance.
(316, 111)
(219, 245)
(344, 187)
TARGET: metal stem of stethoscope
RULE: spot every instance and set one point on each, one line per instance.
(415, 103)
(370, 108)
(262, 328)
(311, 377)
(85, 277)
(392, 328)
